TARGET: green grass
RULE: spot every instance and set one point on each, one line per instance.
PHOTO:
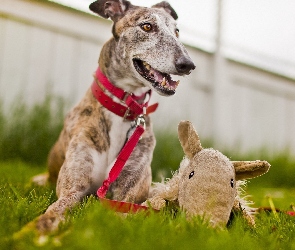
(26, 135)
(282, 198)
(91, 226)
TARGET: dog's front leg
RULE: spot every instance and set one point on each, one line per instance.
(135, 179)
(73, 184)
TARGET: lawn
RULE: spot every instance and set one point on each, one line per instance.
(91, 226)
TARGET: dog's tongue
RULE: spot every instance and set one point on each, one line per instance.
(163, 79)
(157, 75)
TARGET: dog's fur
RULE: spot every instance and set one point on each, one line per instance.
(92, 136)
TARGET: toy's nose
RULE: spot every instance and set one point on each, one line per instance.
(184, 65)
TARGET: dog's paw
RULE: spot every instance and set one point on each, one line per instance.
(155, 202)
(48, 222)
(44, 225)
(41, 179)
(31, 232)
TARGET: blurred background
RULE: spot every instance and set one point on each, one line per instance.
(241, 96)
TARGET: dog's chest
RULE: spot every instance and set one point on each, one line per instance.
(118, 134)
(104, 161)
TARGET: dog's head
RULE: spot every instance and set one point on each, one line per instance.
(148, 50)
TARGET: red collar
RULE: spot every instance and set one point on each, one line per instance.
(132, 108)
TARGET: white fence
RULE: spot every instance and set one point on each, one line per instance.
(45, 47)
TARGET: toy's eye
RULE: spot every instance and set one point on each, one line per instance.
(177, 32)
(146, 27)
(232, 183)
(191, 174)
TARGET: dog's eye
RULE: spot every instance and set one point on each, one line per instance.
(191, 174)
(232, 183)
(177, 32)
(146, 27)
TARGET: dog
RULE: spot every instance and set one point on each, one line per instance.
(141, 55)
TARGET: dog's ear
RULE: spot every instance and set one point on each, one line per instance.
(114, 9)
(167, 7)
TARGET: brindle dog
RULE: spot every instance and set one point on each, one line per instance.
(142, 54)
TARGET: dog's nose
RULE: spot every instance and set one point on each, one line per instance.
(184, 65)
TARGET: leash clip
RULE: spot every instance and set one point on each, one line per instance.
(140, 120)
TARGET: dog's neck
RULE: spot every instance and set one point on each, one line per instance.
(118, 68)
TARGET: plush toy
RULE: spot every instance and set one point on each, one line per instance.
(207, 183)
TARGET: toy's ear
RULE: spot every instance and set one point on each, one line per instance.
(114, 9)
(189, 139)
(250, 169)
(167, 7)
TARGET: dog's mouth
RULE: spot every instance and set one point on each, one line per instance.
(161, 82)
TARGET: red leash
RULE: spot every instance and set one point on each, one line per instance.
(121, 160)
(132, 111)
